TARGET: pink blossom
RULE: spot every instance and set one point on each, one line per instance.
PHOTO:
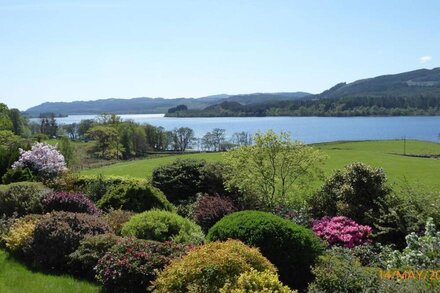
(341, 230)
(44, 160)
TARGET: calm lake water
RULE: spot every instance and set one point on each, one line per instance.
(306, 129)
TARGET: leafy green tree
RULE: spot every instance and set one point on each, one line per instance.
(5, 120)
(275, 170)
(67, 150)
(107, 144)
(356, 191)
(182, 138)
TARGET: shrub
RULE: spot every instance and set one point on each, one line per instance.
(134, 196)
(132, 264)
(208, 267)
(21, 233)
(343, 273)
(212, 179)
(17, 175)
(341, 231)
(69, 202)
(290, 247)
(179, 180)
(59, 233)
(162, 226)
(421, 252)
(405, 211)
(354, 192)
(209, 210)
(22, 198)
(255, 281)
(116, 219)
(43, 160)
(83, 260)
(5, 225)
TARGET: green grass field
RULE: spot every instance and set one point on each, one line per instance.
(16, 278)
(386, 154)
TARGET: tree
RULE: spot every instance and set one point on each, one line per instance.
(218, 137)
(274, 170)
(19, 123)
(72, 130)
(242, 138)
(182, 138)
(107, 144)
(84, 126)
(67, 150)
(356, 191)
(5, 120)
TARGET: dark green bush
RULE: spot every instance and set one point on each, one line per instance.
(163, 226)
(133, 195)
(83, 260)
(112, 193)
(22, 198)
(17, 175)
(58, 234)
(132, 264)
(290, 247)
(354, 192)
(179, 180)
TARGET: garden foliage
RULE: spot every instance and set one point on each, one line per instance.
(290, 247)
(209, 267)
(163, 226)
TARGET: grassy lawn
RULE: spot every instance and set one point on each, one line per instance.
(15, 277)
(385, 154)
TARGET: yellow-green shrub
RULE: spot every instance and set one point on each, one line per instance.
(21, 232)
(208, 267)
(256, 282)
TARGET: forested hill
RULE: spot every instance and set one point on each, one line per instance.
(410, 93)
(422, 82)
(154, 105)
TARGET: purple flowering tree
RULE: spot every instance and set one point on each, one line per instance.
(43, 160)
(341, 231)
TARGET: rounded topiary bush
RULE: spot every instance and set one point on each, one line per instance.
(255, 281)
(83, 261)
(208, 210)
(134, 195)
(59, 233)
(163, 226)
(22, 198)
(132, 264)
(293, 249)
(69, 202)
(209, 267)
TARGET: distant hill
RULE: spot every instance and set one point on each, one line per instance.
(422, 82)
(153, 105)
(410, 93)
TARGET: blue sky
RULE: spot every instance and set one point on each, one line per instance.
(84, 50)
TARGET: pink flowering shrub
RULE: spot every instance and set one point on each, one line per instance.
(341, 230)
(43, 160)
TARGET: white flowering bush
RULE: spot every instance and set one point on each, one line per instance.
(421, 252)
(44, 160)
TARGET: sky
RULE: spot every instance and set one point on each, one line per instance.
(85, 50)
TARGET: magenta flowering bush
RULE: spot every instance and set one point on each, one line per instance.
(69, 202)
(341, 231)
(43, 160)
